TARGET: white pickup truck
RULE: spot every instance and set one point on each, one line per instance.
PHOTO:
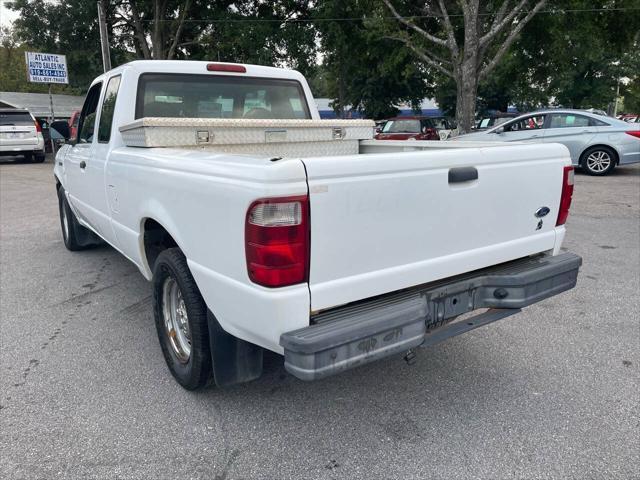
(263, 227)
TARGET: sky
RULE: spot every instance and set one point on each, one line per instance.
(6, 16)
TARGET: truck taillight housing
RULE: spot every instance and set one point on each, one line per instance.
(565, 198)
(38, 127)
(277, 241)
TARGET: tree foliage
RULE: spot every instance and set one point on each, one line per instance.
(362, 69)
(571, 53)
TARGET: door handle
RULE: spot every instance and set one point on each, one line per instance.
(462, 174)
(83, 164)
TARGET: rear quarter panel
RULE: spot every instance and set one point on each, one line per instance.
(201, 199)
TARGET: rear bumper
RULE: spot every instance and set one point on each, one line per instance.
(345, 337)
(6, 150)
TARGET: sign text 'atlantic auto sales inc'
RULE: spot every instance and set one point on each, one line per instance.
(46, 67)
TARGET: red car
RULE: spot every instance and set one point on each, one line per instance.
(73, 123)
(409, 128)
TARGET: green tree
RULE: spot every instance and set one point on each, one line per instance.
(464, 40)
(362, 69)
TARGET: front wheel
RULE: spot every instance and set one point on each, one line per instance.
(181, 320)
(598, 161)
(74, 235)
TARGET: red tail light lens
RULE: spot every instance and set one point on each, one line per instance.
(567, 193)
(634, 133)
(277, 241)
(38, 127)
(225, 67)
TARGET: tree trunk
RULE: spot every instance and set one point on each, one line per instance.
(467, 94)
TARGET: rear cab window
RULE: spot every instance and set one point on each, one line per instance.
(219, 96)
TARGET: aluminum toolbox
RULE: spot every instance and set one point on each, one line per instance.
(278, 138)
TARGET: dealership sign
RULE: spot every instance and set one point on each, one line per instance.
(46, 67)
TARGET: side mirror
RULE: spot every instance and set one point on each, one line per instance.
(61, 128)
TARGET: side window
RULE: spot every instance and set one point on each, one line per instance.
(599, 123)
(568, 120)
(533, 122)
(87, 122)
(106, 113)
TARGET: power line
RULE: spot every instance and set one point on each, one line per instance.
(413, 17)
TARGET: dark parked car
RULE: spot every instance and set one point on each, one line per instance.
(409, 128)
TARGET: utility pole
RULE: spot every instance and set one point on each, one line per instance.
(52, 119)
(104, 40)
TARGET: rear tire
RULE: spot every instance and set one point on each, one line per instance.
(73, 233)
(39, 158)
(180, 315)
(598, 161)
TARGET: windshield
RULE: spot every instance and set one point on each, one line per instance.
(402, 126)
(15, 118)
(209, 96)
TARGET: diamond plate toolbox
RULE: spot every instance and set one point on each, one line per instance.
(264, 136)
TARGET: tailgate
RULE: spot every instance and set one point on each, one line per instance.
(384, 222)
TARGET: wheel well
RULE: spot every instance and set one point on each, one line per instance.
(616, 157)
(156, 239)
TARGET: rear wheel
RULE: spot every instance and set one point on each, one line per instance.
(598, 161)
(39, 158)
(181, 320)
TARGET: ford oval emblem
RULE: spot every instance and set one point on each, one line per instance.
(542, 212)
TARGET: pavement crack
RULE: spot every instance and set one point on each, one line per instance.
(83, 296)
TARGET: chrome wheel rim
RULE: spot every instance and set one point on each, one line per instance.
(599, 161)
(65, 223)
(176, 321)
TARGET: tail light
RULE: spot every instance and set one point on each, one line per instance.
(277, 241)
(565, 198)
(38, 127)
(633, 133)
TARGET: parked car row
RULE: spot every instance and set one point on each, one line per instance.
(629, 117)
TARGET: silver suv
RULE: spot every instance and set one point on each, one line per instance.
(20, 134)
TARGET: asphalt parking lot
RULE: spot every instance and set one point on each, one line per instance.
(552, 392)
